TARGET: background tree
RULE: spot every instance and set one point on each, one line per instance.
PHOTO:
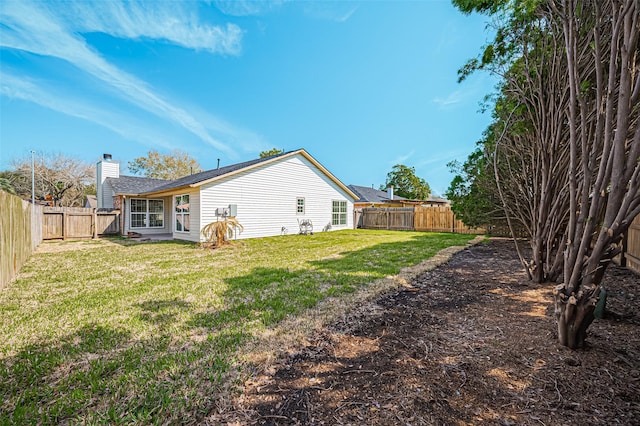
(59, 178)
(406, 183)
(472, 192)
(566, 151)
(174, 165)
(272, 151)
(6, 182)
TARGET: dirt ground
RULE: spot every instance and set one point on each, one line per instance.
(470, 342)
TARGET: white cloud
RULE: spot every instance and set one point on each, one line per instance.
(247, 7)
(331, 11)
(441, 158)
(175, 22)
(452, 99)
(46, 96)
(31, 27)
(401, 159)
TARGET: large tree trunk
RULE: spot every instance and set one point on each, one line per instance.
(574, 314)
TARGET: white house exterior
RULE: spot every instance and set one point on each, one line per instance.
(269, 196)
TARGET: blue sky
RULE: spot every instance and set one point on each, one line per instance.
(360, 85)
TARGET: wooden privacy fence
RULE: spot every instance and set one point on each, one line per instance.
(418, 218)
(77, 222)
(397, 219)
(631, 247)
(20, 234)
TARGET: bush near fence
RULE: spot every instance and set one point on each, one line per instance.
(20, 234)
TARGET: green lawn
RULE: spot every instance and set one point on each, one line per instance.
(114, 332)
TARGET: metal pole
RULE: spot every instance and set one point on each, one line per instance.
(33, 180)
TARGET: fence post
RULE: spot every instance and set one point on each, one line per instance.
(94, 224)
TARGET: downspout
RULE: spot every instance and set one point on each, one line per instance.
(123, 213)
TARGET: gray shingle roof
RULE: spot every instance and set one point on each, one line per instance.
(134, 184)
(370, 195)
(140, 185)
(209, 174)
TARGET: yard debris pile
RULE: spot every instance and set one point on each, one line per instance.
(469, 342)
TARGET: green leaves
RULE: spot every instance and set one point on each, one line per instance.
(406, 183)
(271, 152)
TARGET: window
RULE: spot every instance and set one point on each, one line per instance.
(182, 213)
(300, 205)
(339, 213)
(147, 213)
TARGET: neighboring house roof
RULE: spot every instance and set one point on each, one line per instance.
(134, 185)
(438, 200)
(92, 201)
(369, 195)
(131, 185)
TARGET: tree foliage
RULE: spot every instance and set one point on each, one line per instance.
(60, 179)
(406, 183)
(565, 150)
(174, 165)
(7, 186)
(271, 152)
(472, 191)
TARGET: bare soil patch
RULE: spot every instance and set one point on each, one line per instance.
(470, 342)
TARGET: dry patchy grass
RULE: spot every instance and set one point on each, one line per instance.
(154, 332)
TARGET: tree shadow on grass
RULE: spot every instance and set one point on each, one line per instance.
(100, 374)
(161, 311)
(265, 296)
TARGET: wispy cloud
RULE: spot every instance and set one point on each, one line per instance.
(174, 22)
(40, 29)
(441, 158)
(451, 100)
(247, 7)
(46, 96)
(402, 159)
(331, 11)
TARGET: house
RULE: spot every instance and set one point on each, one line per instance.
(370, 197)
(268, 196)
(91, 202)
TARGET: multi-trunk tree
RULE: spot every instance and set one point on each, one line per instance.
(565, 142)
(59, 179)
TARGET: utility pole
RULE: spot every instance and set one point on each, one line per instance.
(33, 179)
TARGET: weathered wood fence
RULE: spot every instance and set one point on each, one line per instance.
(418, 218)
(631, 255)
(20, 234)
(76, 222)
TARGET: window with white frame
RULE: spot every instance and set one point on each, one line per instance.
(147, 213)
(182, 213)
(300, 205)
(339, 213)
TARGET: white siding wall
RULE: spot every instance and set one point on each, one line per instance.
(168, 218)
(104, 192)
(266, 198)
(194, 216)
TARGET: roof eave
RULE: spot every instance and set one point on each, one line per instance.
(302, 152)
